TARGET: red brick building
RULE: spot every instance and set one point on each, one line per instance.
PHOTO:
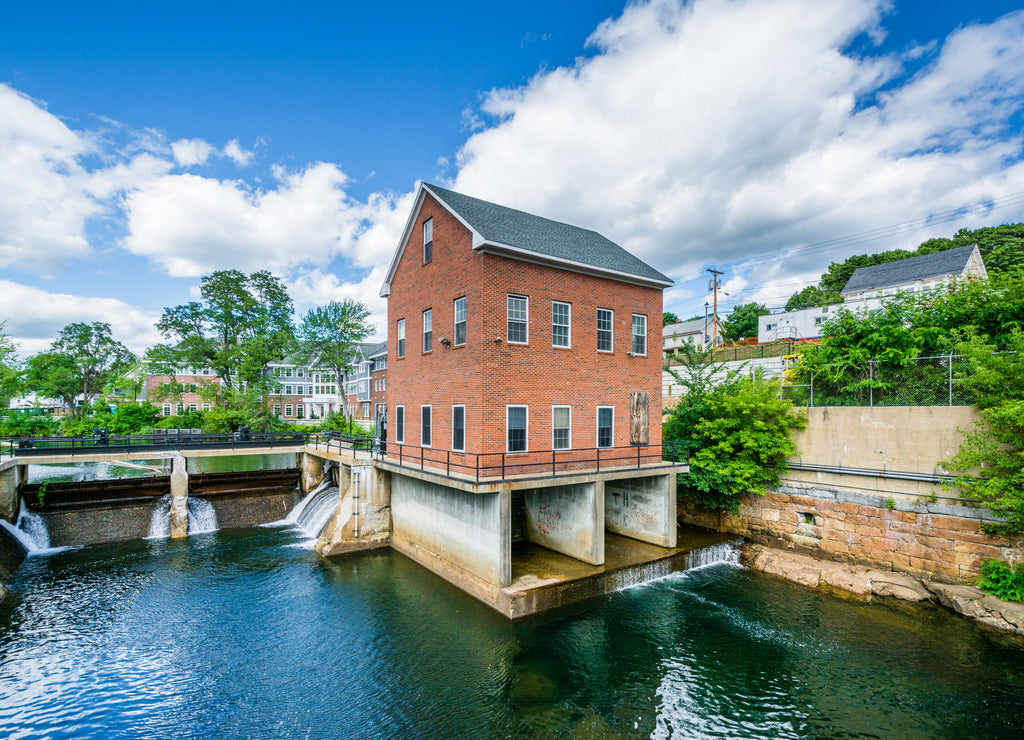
(182, 392)
(512, 333)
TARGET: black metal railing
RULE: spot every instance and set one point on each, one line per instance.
(99, 443)
(492, 466)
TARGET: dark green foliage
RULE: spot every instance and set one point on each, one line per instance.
(742, 322)
(331, 335)
(127, 419)
(669, 318)
(338, 422)
(80, 361)
(10, 371)
(810, 296)
(22, 424)
(188, 420)
(990, 464)
(737, 433)
(1002, 579)
(242, 323)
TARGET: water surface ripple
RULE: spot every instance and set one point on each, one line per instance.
(236, 634)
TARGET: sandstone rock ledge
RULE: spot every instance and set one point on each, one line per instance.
(866, 582)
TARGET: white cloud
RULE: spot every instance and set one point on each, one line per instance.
(36, 316)
(233, 150)
(188, 152)
(314, 287)
(717, 129)
(44, 203)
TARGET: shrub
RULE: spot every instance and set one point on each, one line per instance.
(1002, 579)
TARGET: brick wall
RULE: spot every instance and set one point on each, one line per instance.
(487, 375)
(929, 540)
(155, 384)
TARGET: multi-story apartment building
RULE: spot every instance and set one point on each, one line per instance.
(302, 392)
(366, 384)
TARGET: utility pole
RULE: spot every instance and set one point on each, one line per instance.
(713, 286)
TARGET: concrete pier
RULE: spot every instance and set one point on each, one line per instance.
(179, 497)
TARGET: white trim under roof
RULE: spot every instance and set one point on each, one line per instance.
(504, 250)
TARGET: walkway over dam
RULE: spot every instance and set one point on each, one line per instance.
(520, 533)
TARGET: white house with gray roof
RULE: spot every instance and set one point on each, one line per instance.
(869, 287)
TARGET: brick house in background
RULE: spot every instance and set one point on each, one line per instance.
(180, 393)
(513, 333)
(366, 382)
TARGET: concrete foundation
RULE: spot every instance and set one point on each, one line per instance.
(313, 470)
(568, 519)
(470, 531)
(12, 476)
(179, 497)
(642, 508)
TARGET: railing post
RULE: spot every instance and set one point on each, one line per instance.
(421, 456)
(950, 378)
(552, 462)
(598, 458)
(871, 383)
(503, 466)
(638, 456)
(448, 462)
(478, 467)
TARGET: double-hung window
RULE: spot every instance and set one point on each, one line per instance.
(428, 240)
(516, 426)
(425, 426)
(605, 420)
(639, 334)
(460, 321)
(604, 330)
(428, 330)
(518, 317)
(561, 427)
(401, 338)
(459, 428)
(560, 332)
(400, 424)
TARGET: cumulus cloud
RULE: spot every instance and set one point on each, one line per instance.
(314, 287)
(713, 130)
(35, 329)
(188, 152)
(234, 151)
(44, 202)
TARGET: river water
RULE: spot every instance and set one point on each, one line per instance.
(248, 634)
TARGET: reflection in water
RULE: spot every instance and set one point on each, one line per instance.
(236, 634)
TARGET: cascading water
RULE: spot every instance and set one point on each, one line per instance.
(312, 512)
(160, 518)
(34, 527)
(714, 555)
(202, 518)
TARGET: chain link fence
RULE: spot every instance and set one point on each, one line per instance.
(924, 381)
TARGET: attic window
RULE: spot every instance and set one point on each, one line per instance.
(428, 240)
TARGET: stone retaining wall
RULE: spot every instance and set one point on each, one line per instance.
(934, 541)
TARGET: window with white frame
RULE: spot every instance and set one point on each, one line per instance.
(460, 321)
(401, 338)
(604, 329)
(459, 428)
(428, 330)
(561, 427)
(300, 411)
(518, 319)
(206, 407)
(605, 422)
(428, 240)
(193, 407)
(639, 334)
(287, 409)
(425, 425)
(400, 424)
(288, 390)
(560, 315)
(277, 409)
(179, 409)
(167, 409)
(366, 409)
(516, 424)
(288, 372)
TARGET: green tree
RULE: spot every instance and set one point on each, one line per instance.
(810, 296)
(242, 323)
(742, 322)
(990, 464)
(10, 372)
(79, 362)
(668, 318)
(738, 434)
(332, 333)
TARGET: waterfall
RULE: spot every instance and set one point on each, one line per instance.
(294, 514)
(311, 514)
(160, 518)
(202, 518)
(34, 527)
(713, 555)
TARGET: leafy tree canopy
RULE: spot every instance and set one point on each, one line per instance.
(10, 373)
(737, 429)
(80, 361)
(242, 323)
(669, 318)
(331, 334)
(742, 322)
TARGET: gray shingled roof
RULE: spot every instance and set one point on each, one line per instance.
(499, 225)
(922, 267)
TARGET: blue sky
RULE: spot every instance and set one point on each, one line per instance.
(142, 146)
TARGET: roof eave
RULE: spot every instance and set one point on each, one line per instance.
(526, 255)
